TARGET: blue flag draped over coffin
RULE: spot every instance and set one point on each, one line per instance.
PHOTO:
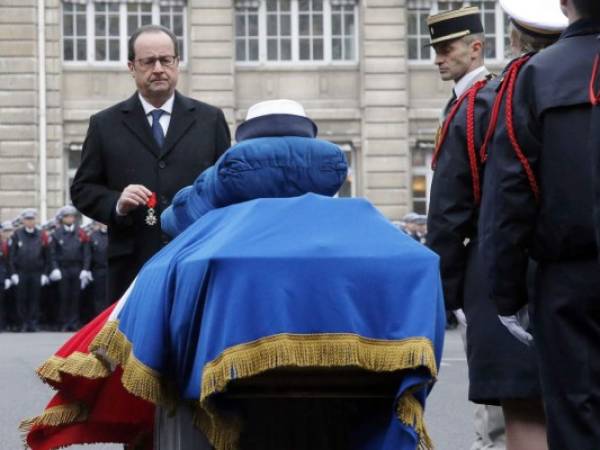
(309, 281)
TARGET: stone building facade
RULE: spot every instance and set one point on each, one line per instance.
(358, 66)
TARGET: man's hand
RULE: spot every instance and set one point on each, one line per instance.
(517, 326)
(132, 197)
(44, 281)
(15, 279)
(7, 284)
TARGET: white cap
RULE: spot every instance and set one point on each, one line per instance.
(279, 106)
(536, 16)
(29, 213)
(67, 210)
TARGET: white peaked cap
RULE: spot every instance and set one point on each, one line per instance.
(537, 16)
(279, 106)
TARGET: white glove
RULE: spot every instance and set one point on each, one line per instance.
(460, 316)
(85, 276)
(15, 279)
(517, 326)
(56, 275)
(44, 281)
(7, 284)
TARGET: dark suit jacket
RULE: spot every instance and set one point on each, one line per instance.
(119, 150)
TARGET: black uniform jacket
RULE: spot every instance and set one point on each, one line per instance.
(29, 252)
(453, 211)
(4, 272)
(595, 150)
(120, 150)
(552, 124)
(98, 246)
(70, 250)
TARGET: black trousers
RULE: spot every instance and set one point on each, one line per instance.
(29, 291)
(567, 336)
(69, 290)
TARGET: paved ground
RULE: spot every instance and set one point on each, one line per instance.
(449, 415)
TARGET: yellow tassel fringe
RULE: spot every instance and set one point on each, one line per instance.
(139, 379)
(283, 350)
(311, 350)
(315, 350)
(77, 364)
(410, 412)
(55, 416)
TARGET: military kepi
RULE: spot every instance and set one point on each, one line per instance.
(451, 25)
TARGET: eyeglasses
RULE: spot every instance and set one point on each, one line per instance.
(165, 61)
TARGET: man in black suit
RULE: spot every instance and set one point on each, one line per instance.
(138, 153)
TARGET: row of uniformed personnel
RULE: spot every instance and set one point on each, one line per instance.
(68, 259)
(514, 188)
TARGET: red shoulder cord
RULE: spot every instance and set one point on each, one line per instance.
(44, 238)
(512, 72)
(445, 126)
(470, 95)
(512, 135)
(595, 96)
(473, 161)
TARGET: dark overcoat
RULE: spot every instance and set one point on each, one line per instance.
(538, 202)
(119, 150)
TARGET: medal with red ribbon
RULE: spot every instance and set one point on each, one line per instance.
(151, 218)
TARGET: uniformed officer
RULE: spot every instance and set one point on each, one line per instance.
(6, 233)
(98, 245)
(29, 262)
(410, 226)
(537, 202)
(71, 261)
(458, 38)
(4, 280)
(501, 369)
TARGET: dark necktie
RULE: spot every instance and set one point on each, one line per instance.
(157, 131)
(450, 104)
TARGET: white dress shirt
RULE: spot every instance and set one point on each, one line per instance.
(468, 80)
(165, 120)
(167, 107)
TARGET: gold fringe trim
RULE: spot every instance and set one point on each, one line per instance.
(410, 412)
(139, 379)
(222, 431)
(315, 350)
(310, 350)
(55, 416)
(249, 359)
(77, 364)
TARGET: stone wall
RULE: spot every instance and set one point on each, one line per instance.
(384, 106)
